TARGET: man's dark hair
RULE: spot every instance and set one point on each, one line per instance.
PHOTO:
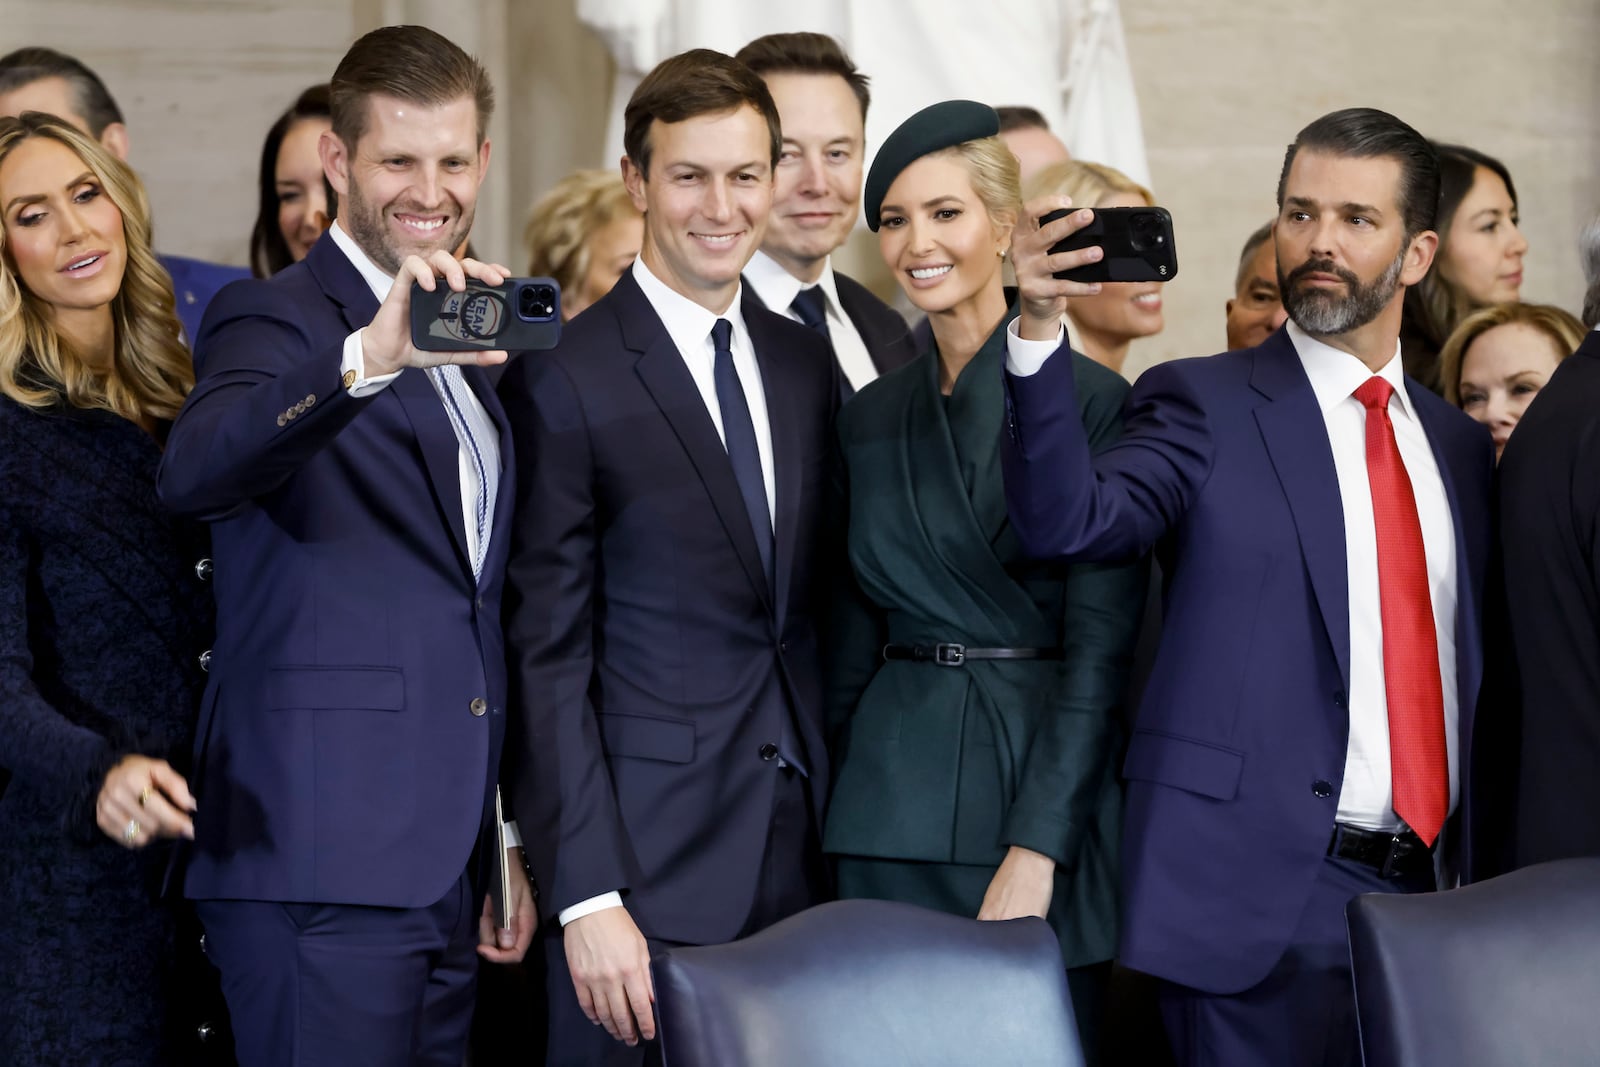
(412, 63)
(93, 100)
(805, 53)
(1252, 244)
(692, 83)
(1367, 133)
(1020, 117)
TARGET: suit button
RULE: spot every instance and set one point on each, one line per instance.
(205, 660)
(283, 420)
(204, 1032)
(478, 603)
(783, 646)
(1322, 788)
(1339, 698)
(311, 398)
(478, 706)
(202, 944)
(768, 751)
(202, 570)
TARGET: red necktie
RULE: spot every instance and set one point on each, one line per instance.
(1418, 764)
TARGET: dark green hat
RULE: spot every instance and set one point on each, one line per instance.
(938, 126)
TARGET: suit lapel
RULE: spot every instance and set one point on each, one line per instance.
(1296, 438)
(783, 422)
(662, 372)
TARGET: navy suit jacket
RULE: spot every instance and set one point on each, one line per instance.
(651, 665)
(1237, 757)
(194, 283)
(353, 719)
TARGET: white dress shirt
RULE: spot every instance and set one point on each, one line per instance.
(689, 326)
(777, 289)
(1367, 797)
(380, 282)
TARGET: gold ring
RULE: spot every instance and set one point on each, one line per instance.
(131, 832)
(144, 796)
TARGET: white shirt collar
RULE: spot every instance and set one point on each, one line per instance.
(377, 279)
(1336, 374)
(777, 288)
(687, 323)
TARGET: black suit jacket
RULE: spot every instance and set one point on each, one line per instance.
(883, 331)
(1550, 530)
(651, 665)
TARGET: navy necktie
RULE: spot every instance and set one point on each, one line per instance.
(812, 308)
(739, 434)
(454, 390)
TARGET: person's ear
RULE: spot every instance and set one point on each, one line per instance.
(114, 139)
(1419, 257)
(335, 162)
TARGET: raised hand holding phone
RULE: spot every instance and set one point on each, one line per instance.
(386, 342)
(1041, 293)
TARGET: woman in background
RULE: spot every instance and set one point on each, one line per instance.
(293, 205)
(972, 693)
(1479, 261)
(105, 616)
(1498, 359)
(1105, 325)
(584, 233)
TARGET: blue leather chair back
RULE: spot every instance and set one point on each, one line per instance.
(868, 982)
(1502, 972)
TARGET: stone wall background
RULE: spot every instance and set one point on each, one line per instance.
(1224, 85)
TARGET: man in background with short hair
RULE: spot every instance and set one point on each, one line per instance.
(42, 79)
(1026, 132)
(822, 100)
(1255, 310)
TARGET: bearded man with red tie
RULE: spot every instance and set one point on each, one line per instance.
(1323, 523)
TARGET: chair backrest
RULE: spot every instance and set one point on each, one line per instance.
(1505, 971)
(869, 982)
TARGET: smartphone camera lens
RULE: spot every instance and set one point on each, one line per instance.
(1145, 232)
(536, 303)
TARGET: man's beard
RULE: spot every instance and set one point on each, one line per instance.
(365, 223)
(1323, 312)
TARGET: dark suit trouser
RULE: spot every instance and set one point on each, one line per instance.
(329, 985)
(1303, 1014)
(790, 881)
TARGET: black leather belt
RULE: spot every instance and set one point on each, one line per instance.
(1391, 855)
(951, 654)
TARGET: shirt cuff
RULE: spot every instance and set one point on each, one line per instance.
(510, 834)
(612, 899)
(352, 370)
(1023, 357)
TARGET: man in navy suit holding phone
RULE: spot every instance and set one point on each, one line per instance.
(1323, 526)
(359, 494)
(660, 594)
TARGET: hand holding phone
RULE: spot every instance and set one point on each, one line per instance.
(386, 342)
(517, 315)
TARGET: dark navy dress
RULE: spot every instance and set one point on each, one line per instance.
(103, 618)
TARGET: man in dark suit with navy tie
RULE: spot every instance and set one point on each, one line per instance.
(665, 687)
(1323, 526)
(822, 101)
(360, 498)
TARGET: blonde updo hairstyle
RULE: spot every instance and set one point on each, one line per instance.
(557, 235)
(151, 369)
(995, 176)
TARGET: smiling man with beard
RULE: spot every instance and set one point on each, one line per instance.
(359, 495)
(1324, 524)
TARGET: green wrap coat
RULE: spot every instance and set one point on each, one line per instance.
(954, 765)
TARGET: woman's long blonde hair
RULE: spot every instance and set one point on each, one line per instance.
(151, 370)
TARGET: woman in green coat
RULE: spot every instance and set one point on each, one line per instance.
(972, 692)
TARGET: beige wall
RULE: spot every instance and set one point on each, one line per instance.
(1224, 85)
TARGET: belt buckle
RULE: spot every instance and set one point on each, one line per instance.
(1392, 860)
(949, 654)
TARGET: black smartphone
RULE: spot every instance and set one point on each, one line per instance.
(1137, 242)
(518, 315)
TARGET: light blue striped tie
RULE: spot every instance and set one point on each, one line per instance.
(470, 427)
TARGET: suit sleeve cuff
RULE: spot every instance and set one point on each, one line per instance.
(352, 370)
(589, 907)
(1023, 357)
(511, 834)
